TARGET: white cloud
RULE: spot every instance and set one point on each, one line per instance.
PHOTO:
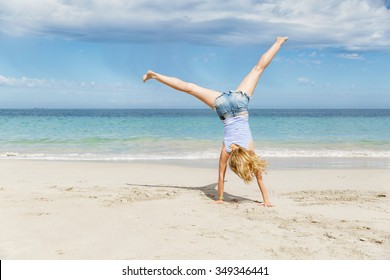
(24, 82)
(354, 56)
(28, 82)
(304, 81)
(206, 58)
(349, 24)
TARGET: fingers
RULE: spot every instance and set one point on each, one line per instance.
(266, 204)
(217, 201)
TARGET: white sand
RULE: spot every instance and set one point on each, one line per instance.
(108, 210)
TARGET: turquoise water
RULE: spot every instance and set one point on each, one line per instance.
(190, 134)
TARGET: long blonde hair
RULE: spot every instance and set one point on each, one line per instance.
(246, 163)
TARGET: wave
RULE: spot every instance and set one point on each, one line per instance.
(326, 153)
(80, 141)
(196, 155)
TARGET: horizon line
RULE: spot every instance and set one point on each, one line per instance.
(105, 108)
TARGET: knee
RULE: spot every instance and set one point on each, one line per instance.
(258, 68)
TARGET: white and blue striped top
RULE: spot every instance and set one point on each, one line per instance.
(237, 132)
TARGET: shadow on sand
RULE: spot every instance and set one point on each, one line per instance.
(208, 190)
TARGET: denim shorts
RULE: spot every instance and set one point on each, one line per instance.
(231, 104)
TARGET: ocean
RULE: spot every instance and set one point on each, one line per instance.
(341, 138)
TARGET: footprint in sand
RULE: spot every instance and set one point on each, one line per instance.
(60, 252)
(45, 199)
(326, 197)
(135, 194)
(38, 213)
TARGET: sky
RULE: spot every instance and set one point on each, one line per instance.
(93, 53)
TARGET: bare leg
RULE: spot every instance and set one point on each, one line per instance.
(206, 95)
(249, 83)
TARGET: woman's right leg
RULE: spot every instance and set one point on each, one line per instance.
(206, 95)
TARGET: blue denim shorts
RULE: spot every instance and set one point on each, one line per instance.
(231, 104)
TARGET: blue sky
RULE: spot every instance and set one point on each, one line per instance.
(92, 54)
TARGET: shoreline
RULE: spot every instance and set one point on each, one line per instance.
(131, 210)
(274, 162)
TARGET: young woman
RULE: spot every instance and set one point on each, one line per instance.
(232, 109)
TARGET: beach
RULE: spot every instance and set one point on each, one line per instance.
(52, 209)
(139, 184)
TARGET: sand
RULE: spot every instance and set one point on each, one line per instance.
(130, 210)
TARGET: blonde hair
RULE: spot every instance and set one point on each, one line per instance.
(246, 163)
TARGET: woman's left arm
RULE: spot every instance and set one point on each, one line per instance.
(263, 189)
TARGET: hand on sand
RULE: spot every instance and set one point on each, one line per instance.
(266, 204)
(219, 201)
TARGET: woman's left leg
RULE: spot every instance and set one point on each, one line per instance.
(249, 83)
(206, 95)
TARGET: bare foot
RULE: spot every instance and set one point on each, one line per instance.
(148, 75)
(281, 40)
